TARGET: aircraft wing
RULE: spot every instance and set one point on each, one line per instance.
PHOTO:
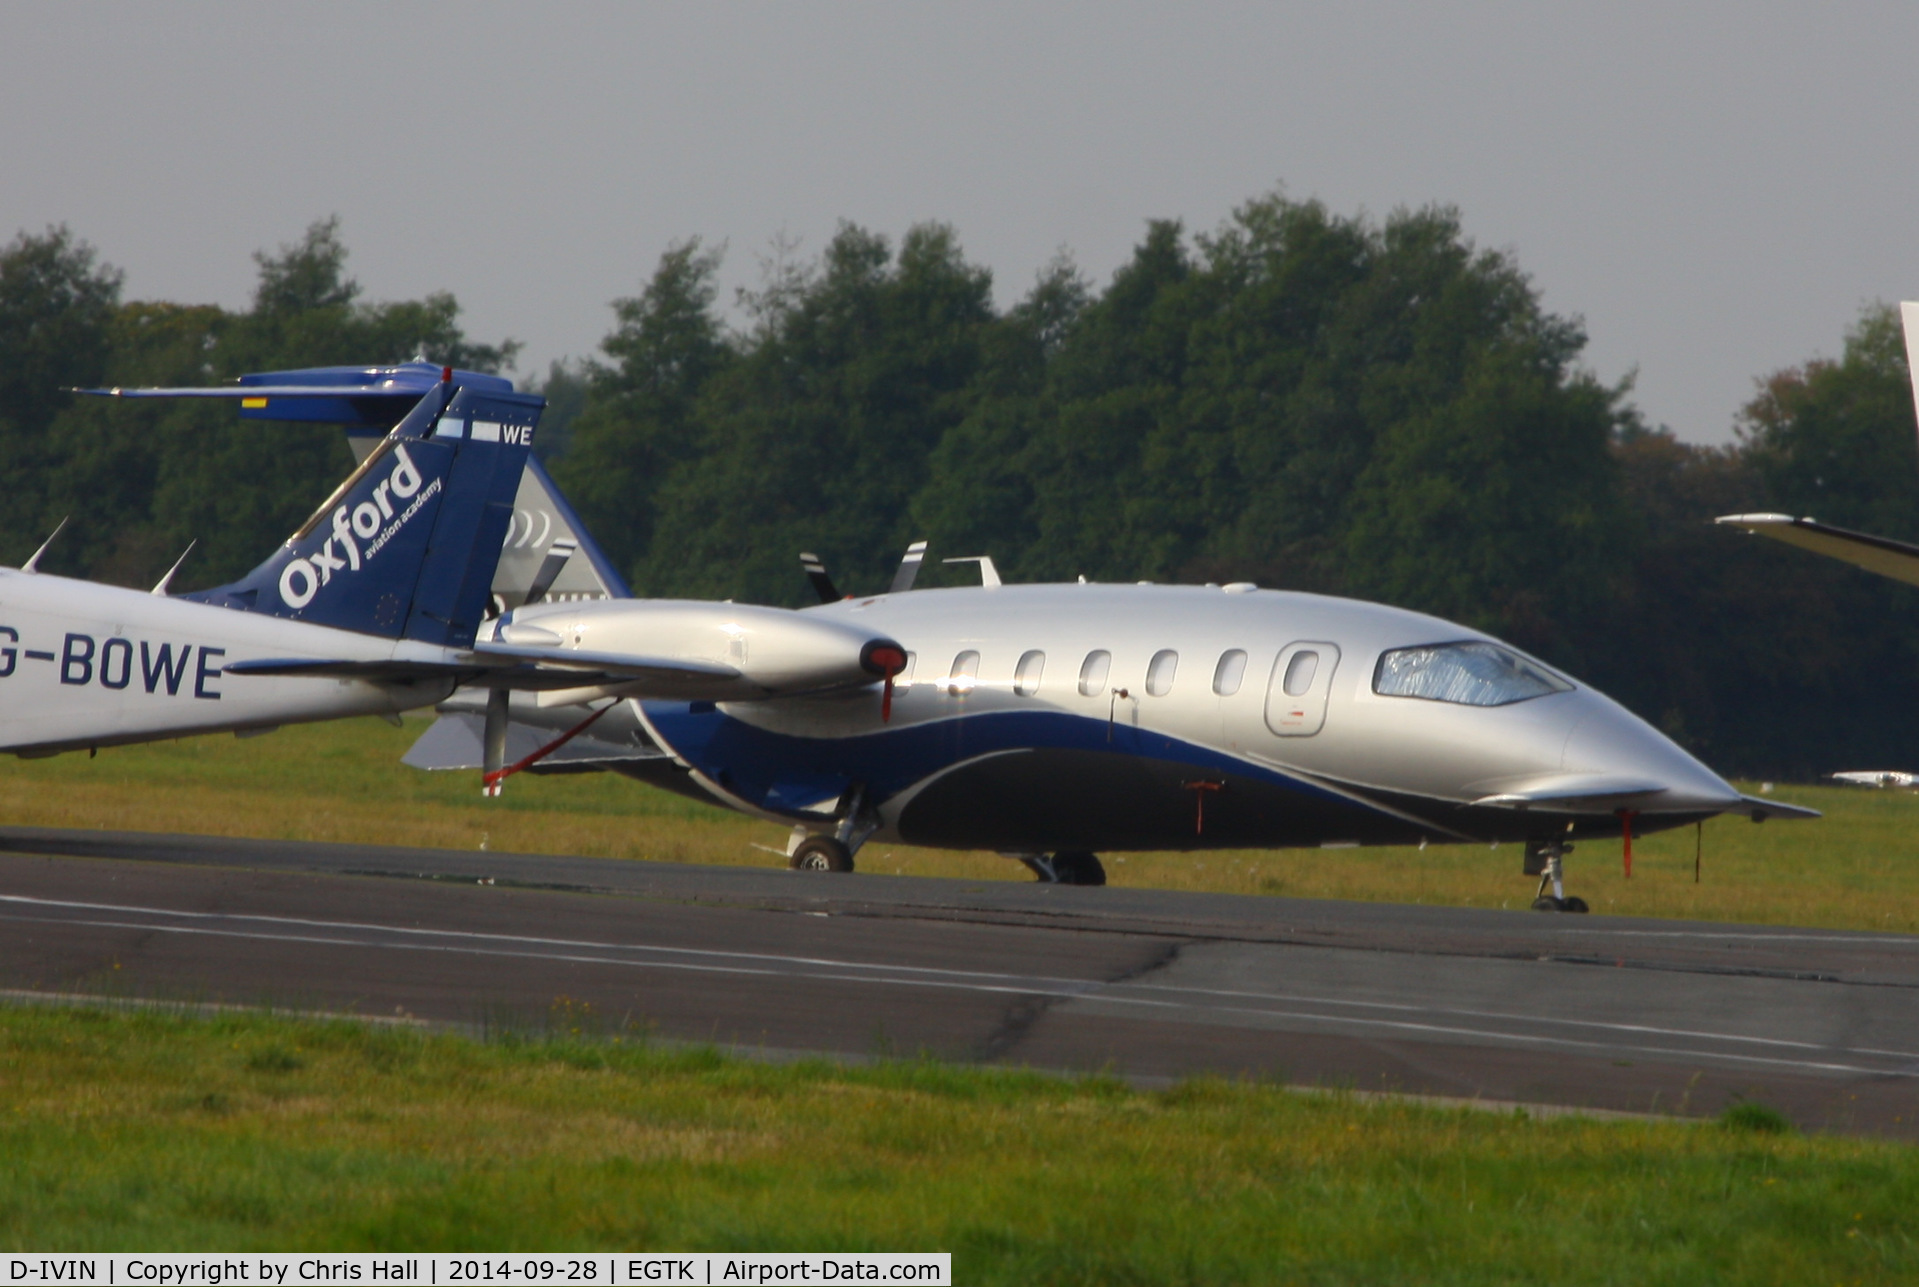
(1879, 554)
(507, 666)
(457, 740)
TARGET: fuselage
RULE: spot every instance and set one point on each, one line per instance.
(1115, 717)
(86, 665)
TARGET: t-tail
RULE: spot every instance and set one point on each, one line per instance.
(406, 547)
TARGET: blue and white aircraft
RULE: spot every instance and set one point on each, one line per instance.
(1047, 722)
(389, 579)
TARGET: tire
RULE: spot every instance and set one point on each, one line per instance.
(821, 853)
(1547, 903)
(1573, 904)
(1077, 867)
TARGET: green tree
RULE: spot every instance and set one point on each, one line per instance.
(1835, 440)
(141, 479)
(819, 434)
(57, 307)
(638, 420)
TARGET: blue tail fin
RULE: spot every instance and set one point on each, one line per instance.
(406, 547)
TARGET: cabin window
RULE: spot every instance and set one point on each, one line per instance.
(965, 674)
(1092, 673)
(1026, 677)
(1231, 669)
(1467, 674)
(1159, 673)
(1299, 673)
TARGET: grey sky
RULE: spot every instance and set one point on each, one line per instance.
(1716, 188)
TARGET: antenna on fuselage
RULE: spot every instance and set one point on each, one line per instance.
(33, 564)
(164, 586)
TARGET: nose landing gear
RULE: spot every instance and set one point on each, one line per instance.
(1544, 860)
(834, 850)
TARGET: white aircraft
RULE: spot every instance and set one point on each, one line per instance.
(1889, 558)
(391, 576)
(1051, 722)
(1876, 777)
(1048, 722)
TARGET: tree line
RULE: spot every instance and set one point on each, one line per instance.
(1298, 398)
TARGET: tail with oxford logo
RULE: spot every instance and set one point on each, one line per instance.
(406, 547)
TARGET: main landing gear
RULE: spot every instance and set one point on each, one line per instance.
(1544, 860)
(1067, 867)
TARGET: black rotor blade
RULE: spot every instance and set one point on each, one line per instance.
(816, 573)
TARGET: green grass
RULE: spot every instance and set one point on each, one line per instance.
(154, 1131)
(1858, 868)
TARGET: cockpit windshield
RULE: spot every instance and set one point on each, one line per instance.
(1467, 674)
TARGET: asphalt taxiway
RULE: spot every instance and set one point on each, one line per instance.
(1582, 1011)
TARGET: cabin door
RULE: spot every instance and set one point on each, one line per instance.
(1296, 693)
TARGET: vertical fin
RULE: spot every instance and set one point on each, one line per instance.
(406, 547)
(1909, 320)
(541, 521)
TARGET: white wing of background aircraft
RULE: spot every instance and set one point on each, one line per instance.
(1880, 554)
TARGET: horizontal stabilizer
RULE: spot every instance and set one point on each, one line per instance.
(373, 396)
(458, 741)
(1887, 557)
(389, 670)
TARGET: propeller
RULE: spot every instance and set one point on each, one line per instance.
(550, 567)
(903, 578)
(816, 573)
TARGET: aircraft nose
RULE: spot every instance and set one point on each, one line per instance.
(1611, 740)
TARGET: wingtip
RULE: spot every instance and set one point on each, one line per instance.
(1755, 520)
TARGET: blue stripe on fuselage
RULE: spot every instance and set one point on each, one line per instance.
(785, 774)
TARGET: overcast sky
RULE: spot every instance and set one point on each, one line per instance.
(1715, 188)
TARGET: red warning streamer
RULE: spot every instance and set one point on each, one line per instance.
(491, 781)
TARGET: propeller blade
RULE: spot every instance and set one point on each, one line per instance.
(816, 573)
(550, 567)
(909, 568)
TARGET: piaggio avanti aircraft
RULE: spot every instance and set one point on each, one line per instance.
(1046, 722)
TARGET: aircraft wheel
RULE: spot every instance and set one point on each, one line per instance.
(821, 853)
(1077, 867)
(1547, 903)
(1573, 904)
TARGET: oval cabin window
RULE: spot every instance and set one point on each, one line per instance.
(1092, 673)
(1299, 673)
(965, 674)
(1026, 677)
(1231, 669)
(1159, 674)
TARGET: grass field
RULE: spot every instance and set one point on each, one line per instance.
(1857, 868)
(153, 1131)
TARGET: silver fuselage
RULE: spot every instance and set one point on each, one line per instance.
(980, 752)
